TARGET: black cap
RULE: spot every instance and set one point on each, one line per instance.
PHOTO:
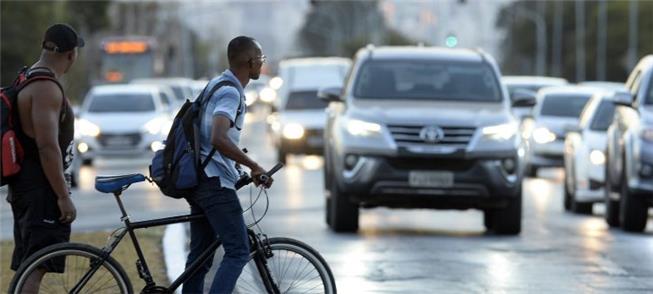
(64, 37)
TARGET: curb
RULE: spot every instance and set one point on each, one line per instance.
(174, 251)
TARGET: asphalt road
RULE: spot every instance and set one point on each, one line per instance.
(410, 251)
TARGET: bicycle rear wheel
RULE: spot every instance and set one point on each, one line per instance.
(294, 267)
(67, 264)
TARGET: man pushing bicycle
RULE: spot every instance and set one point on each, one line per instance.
(220, 128)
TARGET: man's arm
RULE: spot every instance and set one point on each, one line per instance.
(46, 106)
(221, 142)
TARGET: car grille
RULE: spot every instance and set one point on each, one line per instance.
(313, 133)
(119, 141)
(405, 135)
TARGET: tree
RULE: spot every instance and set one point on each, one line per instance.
(340, 28)
(23, 23)
(519, 42)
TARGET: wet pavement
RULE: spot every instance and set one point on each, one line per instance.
(410, 251)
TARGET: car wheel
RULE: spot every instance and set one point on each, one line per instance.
(568, 195)
(570, 199)
(507, 220)
(582, 208)
(611, 206)
(327, 191)
(327, 211)
(611, 212)
(487, 220)
(531, 171)
(344, 214)
(87, 161)
(633, 212)
(74, 179)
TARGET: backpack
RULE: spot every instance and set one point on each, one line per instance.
(12, 149)
(177, 168)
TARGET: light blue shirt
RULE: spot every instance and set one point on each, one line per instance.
(226, 101)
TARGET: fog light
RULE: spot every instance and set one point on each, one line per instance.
(350, 161)
(82, 147)
(508, 165)
(646, 171)
(156, 146)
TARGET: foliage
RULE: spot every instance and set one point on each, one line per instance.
(340, 28)
(519, 49)
(23, 23)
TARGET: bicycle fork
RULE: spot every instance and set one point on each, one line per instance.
(263, 253)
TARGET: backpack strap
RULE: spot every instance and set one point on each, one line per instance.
(39, 74)
(203, 102)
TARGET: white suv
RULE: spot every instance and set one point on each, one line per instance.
(418, 127)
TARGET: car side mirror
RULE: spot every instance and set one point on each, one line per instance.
(331, 94)
(523, 98)
(623, 98)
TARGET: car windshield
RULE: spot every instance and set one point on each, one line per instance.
(179, 92)
(302, 100)
(603, 117)
(564, 105)
(128, 102)
(512, 89)
(427, 80)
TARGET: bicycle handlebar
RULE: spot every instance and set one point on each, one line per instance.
(246, 180)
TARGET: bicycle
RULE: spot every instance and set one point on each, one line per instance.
(277, 265)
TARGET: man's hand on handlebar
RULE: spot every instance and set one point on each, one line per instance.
(260, 177)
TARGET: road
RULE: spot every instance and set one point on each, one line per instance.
(410, 251)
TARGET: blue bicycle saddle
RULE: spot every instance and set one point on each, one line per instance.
(112, 184)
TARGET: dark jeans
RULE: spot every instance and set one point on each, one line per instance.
(224, 219)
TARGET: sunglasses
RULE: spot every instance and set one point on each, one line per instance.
(262, 59)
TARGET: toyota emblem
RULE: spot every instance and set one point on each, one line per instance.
(431, 134)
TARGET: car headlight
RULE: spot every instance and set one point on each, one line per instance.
(501, 132)
(250, 97)
(276, 83)
(268, 95)
(597, 157)
(158, 126)
(647, 135)
(87, 128)
(543, 135)
(357, 127)
(293, 131)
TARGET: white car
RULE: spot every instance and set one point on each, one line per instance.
(298, 125)
(557, 110)
(529, 85)
(584, 156)
(122, 120)
(182, 87)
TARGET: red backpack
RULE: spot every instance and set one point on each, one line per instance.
(12, 149)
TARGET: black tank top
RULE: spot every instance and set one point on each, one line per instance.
(31, 174)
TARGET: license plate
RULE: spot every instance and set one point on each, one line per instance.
(118, 141)
(315, 141)
(430, 179)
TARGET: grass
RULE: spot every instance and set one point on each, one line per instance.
(149, 239)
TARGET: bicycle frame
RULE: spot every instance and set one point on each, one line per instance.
(259, 249)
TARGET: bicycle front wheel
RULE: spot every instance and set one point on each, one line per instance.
(71, 268)
(294, 268)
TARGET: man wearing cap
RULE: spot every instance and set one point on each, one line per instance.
(39, 194)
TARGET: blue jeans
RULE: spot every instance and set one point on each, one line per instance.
(224, 219)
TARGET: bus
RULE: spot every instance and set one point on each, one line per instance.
(126, 58)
